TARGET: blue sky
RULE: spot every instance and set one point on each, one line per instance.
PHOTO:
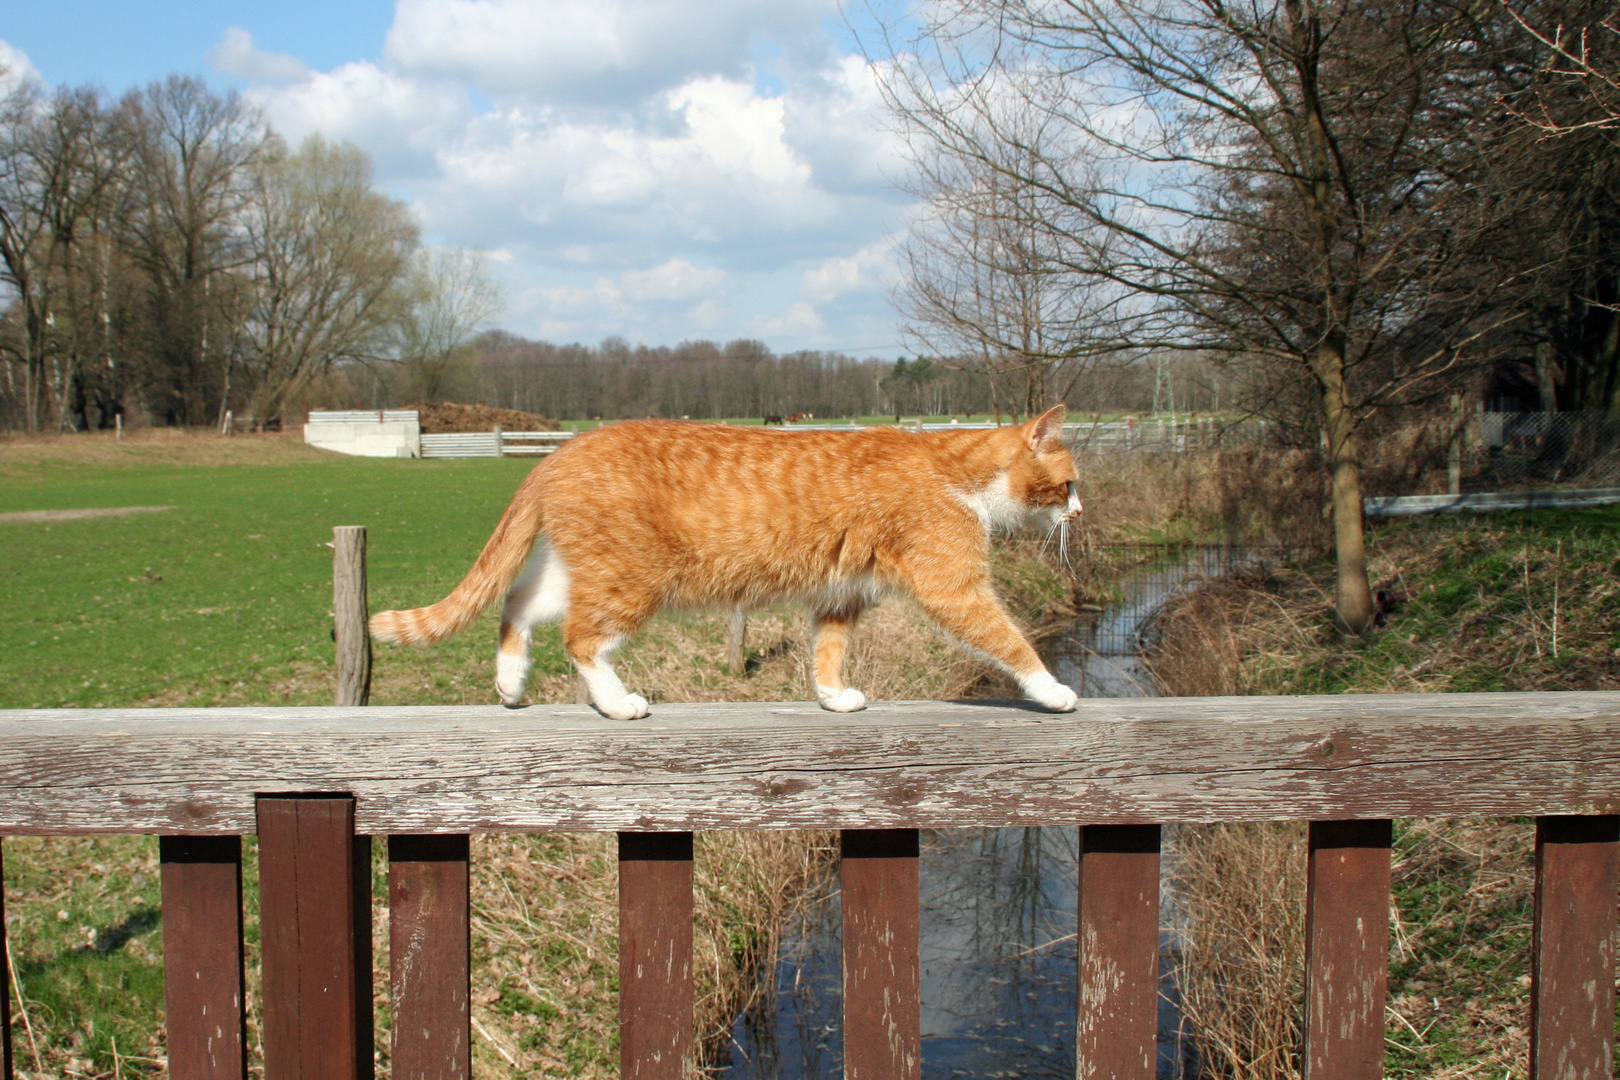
(654, 169)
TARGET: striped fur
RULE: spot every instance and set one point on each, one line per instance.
(648, 514)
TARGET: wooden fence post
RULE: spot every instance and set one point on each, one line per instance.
(655, 955)
(350, 614)
(1572, 954)
(202, 957)
(5, 978)
(882, 966)
(309, 917)
(736, 641)
(1346, 949)
(429, 946)
(1117, 1027)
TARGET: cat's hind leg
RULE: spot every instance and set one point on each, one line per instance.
(590, 635)
(831, 632)
(540, 594)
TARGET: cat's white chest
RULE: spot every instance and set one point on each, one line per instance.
(994, 505)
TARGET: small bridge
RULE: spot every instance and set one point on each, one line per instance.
(316, 784)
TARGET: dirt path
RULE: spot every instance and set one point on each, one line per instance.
(71, 515)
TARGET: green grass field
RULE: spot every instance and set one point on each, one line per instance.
(226, 598)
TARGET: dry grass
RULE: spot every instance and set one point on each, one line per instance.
(156, 446)
(1239, 903)
(1485, 599)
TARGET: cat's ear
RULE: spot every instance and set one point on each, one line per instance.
(1047, 427)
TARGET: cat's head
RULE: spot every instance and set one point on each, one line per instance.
(1041, 475)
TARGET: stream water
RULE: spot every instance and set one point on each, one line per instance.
(998, 906)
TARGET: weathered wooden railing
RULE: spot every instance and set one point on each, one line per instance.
(315, 784)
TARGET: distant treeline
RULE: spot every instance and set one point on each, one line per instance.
(744, 378)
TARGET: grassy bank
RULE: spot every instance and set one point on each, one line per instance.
(222, 597)
(1513, 601)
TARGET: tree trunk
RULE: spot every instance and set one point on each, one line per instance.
(1352, 598)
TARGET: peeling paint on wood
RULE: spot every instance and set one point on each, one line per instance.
(880, 896)
(429, 944)
(655, 955)
(1118, 953)
(1572, 994)
(1346, 949)
(747, 766)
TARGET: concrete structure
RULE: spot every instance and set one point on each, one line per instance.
(391, 434)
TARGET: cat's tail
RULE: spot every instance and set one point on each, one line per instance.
(497, 567)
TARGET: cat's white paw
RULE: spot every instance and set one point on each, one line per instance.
(629, 707)
(1050, 694)
(511, 676)
(845, 700)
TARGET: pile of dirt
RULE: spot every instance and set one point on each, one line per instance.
(449, 417)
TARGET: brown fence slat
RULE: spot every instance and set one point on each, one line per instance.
(5, 979)
(1572, 965)
(365, 1062)
(882, 972)
(307, 923)
(1117, 1023)
(655, 955)
(1346, 949)
(428, 950)
(202, 957)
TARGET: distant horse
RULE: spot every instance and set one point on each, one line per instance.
(773, 419)
(796, 417)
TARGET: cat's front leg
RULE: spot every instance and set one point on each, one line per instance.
(974, 615)
(832, 631)
(1041, 688)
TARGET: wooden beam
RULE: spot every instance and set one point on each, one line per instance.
(1117, 1026)
(206, 1015)
(429, 947)
(745, 766)
(882, 965)
(1346, 949)
(1572, 959)
(307, 920)
(655, 955)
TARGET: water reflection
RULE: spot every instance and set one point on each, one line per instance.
(998, 909)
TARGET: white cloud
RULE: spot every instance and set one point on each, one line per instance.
(15, 67)
(647, 167)
(588, 50)
(872, 267)
(675, 280)
(801, 318)
(400, 121)
(236, 55)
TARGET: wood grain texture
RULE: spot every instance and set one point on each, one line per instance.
(1572, 960)
(880, 897)
(5, 979)
(429, 946)
(349, 610)
(655, 955)
(307, 926)
(206, 1017)
(743, 766)
(1346, 949)
(1117, 1026)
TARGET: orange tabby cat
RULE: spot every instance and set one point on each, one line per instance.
(638, 516)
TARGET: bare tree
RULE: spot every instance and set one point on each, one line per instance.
(452, 299)
(329, 270)
(1272, 181)
(194, 157)
(58, 161)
